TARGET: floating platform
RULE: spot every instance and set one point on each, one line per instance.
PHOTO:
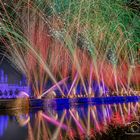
(68, 102)
(63, 102)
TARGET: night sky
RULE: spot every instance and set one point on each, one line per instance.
(13, 74)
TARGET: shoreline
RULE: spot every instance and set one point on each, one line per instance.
(27, 103)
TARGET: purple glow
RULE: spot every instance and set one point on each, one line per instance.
(3, 124)
(54, 121)
(11, 90)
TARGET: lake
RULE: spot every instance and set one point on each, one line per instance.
(99, 122)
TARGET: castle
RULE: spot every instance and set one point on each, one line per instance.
(11, 90)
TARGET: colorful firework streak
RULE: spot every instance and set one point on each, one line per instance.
(84, 40)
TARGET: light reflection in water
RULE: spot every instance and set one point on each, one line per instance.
(75, 122)
(3, 124)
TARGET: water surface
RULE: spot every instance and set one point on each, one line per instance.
(78, 122)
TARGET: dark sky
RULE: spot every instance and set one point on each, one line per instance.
(13, 75)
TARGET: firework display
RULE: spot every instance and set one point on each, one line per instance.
(83, 41)
(69, 69)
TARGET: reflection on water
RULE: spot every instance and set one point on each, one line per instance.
(3, 124)
(80, 122)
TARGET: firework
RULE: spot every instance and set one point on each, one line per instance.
(84, 40)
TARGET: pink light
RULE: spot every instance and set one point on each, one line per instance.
(54, 87)
(74, 81)
(54, 121)
(78, 124)
(22, 93)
